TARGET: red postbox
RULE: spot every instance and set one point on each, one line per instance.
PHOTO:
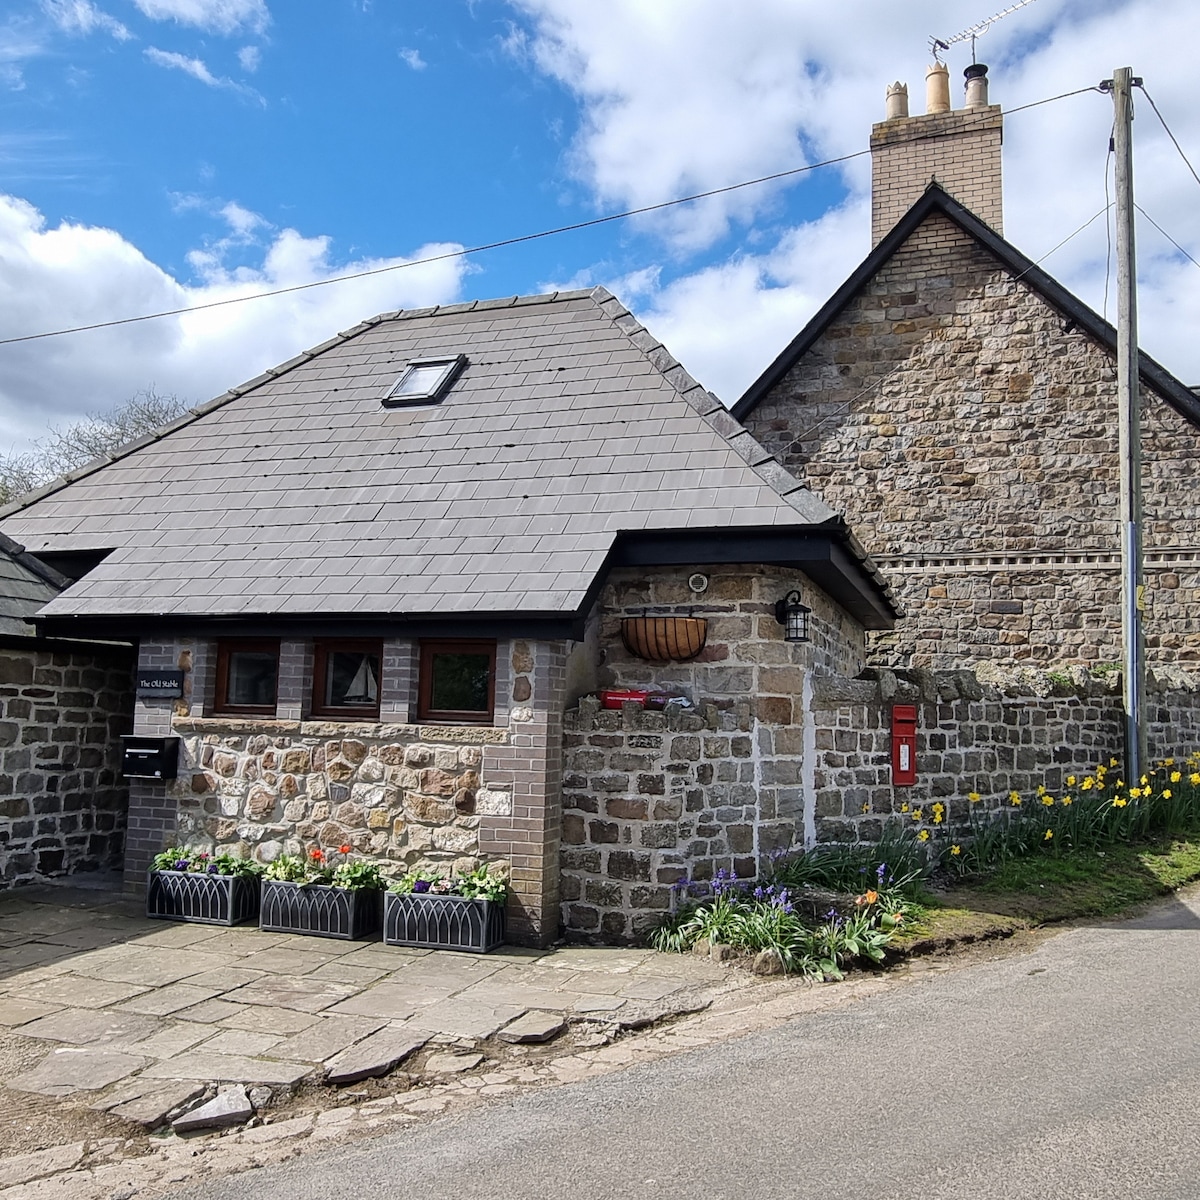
(904, 744)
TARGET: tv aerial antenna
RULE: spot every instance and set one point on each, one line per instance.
(937, 45)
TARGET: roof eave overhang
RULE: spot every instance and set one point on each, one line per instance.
(1177, 394)
(826, 553)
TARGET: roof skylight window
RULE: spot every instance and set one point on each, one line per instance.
(425, 380)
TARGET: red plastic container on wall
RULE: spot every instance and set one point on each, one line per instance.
(615, 698)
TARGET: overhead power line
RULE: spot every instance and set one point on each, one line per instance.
(479, 249)
(1174, 139)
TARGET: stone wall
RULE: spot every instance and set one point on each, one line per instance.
(62, 800)
(989, 733)
(653, 797)
(969, 435)
(407, 795)
(649, 797)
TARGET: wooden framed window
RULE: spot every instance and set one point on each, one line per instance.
(346, 678)
(457, 682)
(247, 677)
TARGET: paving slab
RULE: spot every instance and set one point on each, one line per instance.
(500, 991)
(19, 1012)
(78, 991)
(23, 1168)
(284, 960)
(163, 1001)
(72, 1069)
(225, 979)
(83, 1027)
(341, 971)
(243, 1042)
(466, 1018)
(240, 942)
(31, 954)
(178, 935)
(534, 1027)
(155, 968)
(330, 1035)
(155, 1103)
(177, 1037)
(445, 1063)
(282, 991)
(375, 1055)
(230, 1107)
(266, 1020)
(644, 988)
(597, 1004)
(209, 1012)
(390, 1000)
(226, 1068)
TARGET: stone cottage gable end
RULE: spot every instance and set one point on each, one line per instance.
(959, 408)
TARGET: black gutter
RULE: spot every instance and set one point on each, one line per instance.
(935, 199)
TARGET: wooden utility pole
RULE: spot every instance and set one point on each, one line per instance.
(1133, 590)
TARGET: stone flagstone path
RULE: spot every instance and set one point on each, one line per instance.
(138, 1015)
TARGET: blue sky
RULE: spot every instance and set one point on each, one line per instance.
(159, 153)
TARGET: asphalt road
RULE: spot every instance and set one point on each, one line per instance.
(1072, 1070)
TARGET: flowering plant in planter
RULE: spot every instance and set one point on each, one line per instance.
(483, 883)
(318, 895)
(209, 889)
(317, 867)
(464, 912)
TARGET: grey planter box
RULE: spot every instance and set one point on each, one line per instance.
(201, 898)
(319, 910)
(442, 922)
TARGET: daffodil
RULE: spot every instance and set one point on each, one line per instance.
(1087, 784)
(1048, 801)
(1041, 789)
(866, 808)
(904, 808)
(1014, 797)
(917, 814)
(1176, 776)
(1066, 801)
(1166, 793)
(1194, 778)
(1070, 781)
(923, 836)
(1134, 793)
(1048, 835)
(1119, 802)
(974, 797)
(1112, 762)
(956, 850)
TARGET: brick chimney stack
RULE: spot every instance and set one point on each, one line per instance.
(959, 148)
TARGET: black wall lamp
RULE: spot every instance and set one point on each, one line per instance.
(793, 616)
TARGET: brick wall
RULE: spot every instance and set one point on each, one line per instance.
(961, 150)
(969, 437)
(62, 801)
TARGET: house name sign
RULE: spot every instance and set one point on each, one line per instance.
(164, 684)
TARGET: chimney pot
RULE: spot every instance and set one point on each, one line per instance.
(896, 104)
(977, 86)
(937, 89)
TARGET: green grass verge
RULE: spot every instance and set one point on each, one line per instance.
(1044, 888)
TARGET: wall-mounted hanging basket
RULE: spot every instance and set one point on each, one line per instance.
(664, 639)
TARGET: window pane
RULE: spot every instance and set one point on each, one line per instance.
(421, 381)
(351, 679)
(252, 677)
(461, 683)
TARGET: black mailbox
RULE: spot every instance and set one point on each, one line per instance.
(150, 757)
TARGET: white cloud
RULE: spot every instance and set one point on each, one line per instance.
(250, 58)
(17, 45)
(214, 16)
(413, 59)
(198, 70)
(82, 17)
(75, 275)
(679, 96)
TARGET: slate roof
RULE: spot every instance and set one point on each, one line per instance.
(1178, 395)
(298, 493)
(25, 586)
